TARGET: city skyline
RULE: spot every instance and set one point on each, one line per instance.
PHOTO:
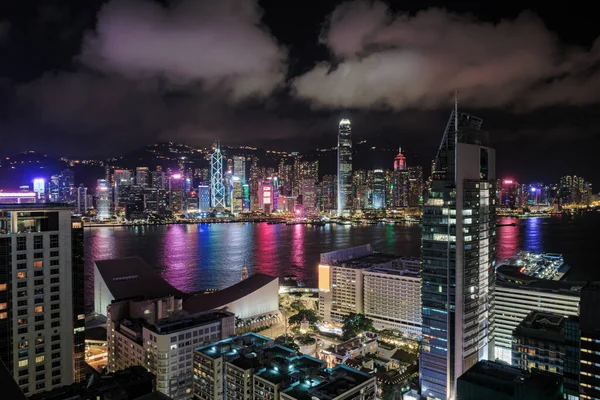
(45, 105)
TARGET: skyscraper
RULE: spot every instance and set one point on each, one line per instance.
(239, 168)
(142, 176)
(458, 249)
(217, 188)
(41, 296)
(344, 167)
(103, 200)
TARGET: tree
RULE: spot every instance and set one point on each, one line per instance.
(287, 341)
(354, 324)
(310, 316)
(298, 305)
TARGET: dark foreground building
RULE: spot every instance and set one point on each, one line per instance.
(492, 380)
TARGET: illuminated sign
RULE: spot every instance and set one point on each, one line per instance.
(508, 181)
(176, 176)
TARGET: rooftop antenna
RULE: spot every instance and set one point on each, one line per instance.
(456, 111)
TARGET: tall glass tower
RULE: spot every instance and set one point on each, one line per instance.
(344, 168)
(217, 188)
(458, 249)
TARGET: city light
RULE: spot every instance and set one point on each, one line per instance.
(176, 176)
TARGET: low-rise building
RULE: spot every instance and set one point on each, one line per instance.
(361, 345)
(252, 366)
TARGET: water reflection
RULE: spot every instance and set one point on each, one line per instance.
(533, 235)
(177, 244)
(508, 238)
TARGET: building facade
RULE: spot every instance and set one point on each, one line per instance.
(41, 296)
(458, 251)
(344, 168)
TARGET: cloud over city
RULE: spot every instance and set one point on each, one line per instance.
(381, 59)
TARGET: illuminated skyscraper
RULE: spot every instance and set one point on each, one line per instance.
(217, 188)
(458, 249)
(378, 189)
(237, 200)
(344, 167)
(142, 176)
(103, 200)
(239, 168)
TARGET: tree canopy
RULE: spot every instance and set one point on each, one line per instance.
(310, 316)
(354, 324)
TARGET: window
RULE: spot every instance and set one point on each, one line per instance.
(53, 241)
(38, 242)
(56, 372)
(40, 386)
(39, 350)
(24, 381)
(3, 315)
(22, 321)
(55, 324)
(2, 306)
(54, 271)
(22, 284)
(39, 300)
(54, 280)
(23, 372)
(38, 264)
(55, 289)
(55, 297)
(21, 303)
(21, 257)
(39, 340)
(55, 355)
(39, 327)
(21, 275)
(38, 282)
(21, 243)
(22, 330)
(23, 344)
(38, 291)
(39, 318)
(39, 309)
(40, 368)
(23, 363)
(22, 312)
(56, 364)
(54, 253)
(38, 273)
(55, 315)
(38, 254)
(55, 306)
(40, 359)
(55, 337)
(56, 346)
(22, 266)
(2, 286)
(56, 381)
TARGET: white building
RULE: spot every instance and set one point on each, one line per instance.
(392, 299)
(386, 288)
(517, 294)
(160, 336)
(41, 296)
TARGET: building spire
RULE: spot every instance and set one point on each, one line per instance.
(456, 111)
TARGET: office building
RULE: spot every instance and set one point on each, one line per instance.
(159, 179)
(217, 188)
(415, 186)
(458, 251)
(309, 195)
(176, 194)
(589, 375)
(384, 287)
(539, 342)
(237, 199)
(239, 168)
(265, 196)
(251, 366)
(204, 195)
(41, 295)
(82, 200)
(378, 192)
(516, 295)
(344, 168)
(103, 200)
(142, 176)
(61, 187)
(328, 199)
(497, 381)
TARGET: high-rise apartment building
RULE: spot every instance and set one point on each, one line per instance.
(589, 375)
(458, 251)
(41, 296)
(103, 200)
(344, 167)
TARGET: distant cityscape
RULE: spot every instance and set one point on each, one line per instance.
(237, 183)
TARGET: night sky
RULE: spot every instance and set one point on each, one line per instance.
(101, 78)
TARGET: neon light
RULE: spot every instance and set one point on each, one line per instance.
(508, 181)
(176, 176)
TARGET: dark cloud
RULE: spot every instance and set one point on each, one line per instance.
(218, 43)
(417, 61)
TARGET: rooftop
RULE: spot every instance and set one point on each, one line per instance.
(129, 278)
(394, 271)
(511, 276)
(231, 346)
(505, 378)
(202, 302)
(542, 325)
(35, 206)
(368, 261)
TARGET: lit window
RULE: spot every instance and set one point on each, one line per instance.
(38, 264)
(39, 340)
(3, 315)
(40, 359)
(81, 316)
(22, 321)
(2, 286)
(2, 306)
(21, 275)
(23, 363)
(39, 309)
